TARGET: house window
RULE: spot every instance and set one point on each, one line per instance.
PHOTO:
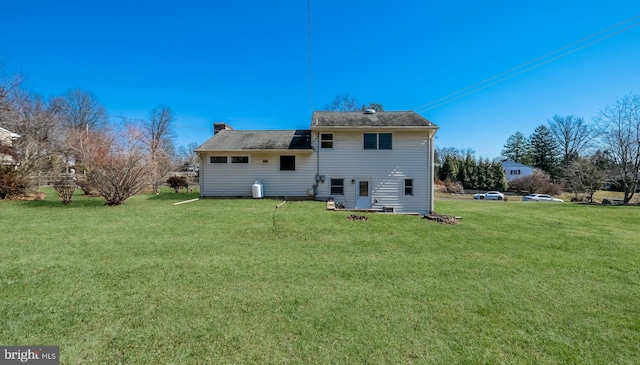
(515, 172)
(239, 159)
(337, 186)
(377, 141)
(287, 163)
(370, 141)
(217, 159)
(384, 141)
(408, 187)
(326, 140)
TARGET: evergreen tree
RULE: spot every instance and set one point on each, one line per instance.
(449, 170)
(517, 149)
(499, 179)
(468, 176)
(484, 178)
(544, 151)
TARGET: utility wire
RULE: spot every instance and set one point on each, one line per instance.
(531, 65)
(523, 68)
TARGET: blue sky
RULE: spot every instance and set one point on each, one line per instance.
(246, 62)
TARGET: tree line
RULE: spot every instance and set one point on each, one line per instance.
(72, 138)
(582, 155)
(462, 167)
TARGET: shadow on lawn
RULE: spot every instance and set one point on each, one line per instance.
(53, 202)
(174, 197)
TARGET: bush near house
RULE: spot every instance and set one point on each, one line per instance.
(11, 182)
(178, 182)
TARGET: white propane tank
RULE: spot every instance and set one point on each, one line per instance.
(257, 190)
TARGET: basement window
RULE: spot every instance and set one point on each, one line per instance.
(337, 186)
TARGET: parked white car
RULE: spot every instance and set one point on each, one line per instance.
(489, 195)
(540, 198)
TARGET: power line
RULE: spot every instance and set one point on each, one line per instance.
(527, 66)
(532, 64)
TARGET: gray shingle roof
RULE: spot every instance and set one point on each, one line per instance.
(377, 119)
(235, 140)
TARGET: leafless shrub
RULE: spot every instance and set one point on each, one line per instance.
(116, 166)
(65, 186)
(538, 182)
(454, 187)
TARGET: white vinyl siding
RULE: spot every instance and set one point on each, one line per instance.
(386, 170)
(236, 179)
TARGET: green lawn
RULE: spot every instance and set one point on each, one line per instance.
(239, 281)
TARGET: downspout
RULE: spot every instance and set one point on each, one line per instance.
(315, 186)
(200, 171)
(431, 171)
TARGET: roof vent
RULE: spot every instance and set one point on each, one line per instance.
(370, 111)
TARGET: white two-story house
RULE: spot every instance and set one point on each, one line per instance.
(365, 160)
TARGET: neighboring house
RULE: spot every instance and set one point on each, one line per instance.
(365, 160)
(6, 139)
(514, 170)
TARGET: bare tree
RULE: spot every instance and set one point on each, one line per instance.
(188, 156)
(583, 177)
(80, 109)
(35, 121)
(572, 135)
(115, 163)
(343, 103)
(8, 85)
(620, 128)
(157, 135)
(373, 106)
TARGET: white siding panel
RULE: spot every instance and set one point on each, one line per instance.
(236, 179)
(386, 170)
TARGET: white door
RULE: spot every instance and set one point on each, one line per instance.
(363, 200)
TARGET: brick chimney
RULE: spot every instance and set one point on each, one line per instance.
(219, 126)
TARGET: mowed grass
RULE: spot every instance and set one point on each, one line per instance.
(239, 281)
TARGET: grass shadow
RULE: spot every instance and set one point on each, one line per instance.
(173, 196)
(54, 202)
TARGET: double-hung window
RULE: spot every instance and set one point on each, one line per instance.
(378, 141)
(408, 187)
(326, 140)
